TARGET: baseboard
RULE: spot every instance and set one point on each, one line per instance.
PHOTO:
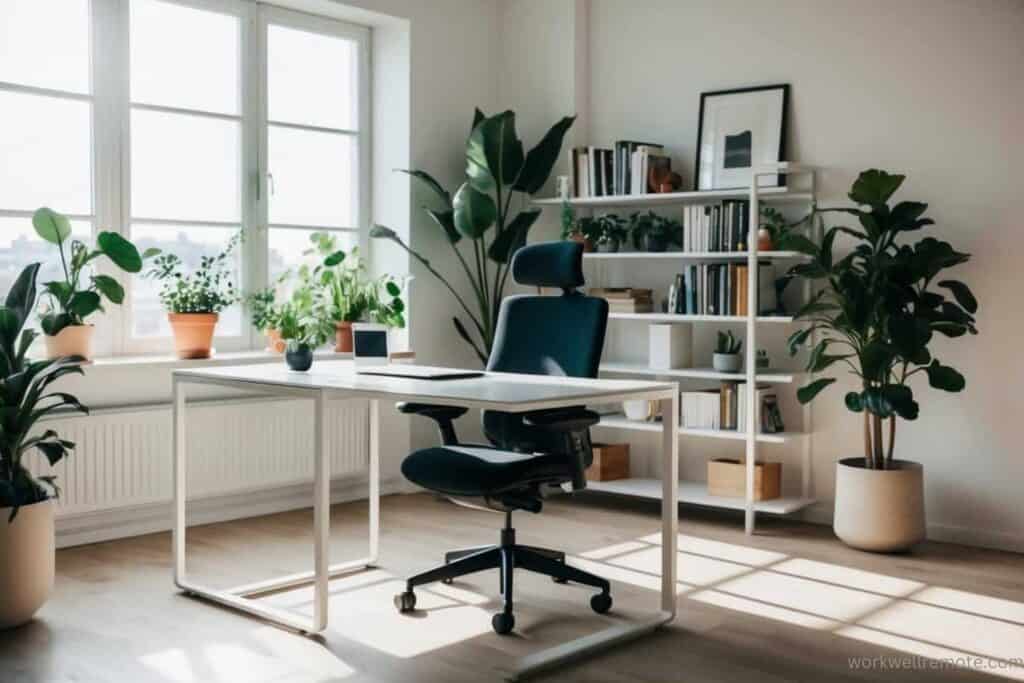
(108, 525)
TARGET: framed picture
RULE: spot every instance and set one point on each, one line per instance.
(740, 129)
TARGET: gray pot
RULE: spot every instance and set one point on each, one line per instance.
(727, 362)
(880, 511)
(299, 358)
(609, 247)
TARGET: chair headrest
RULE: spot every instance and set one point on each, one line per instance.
(549, 264)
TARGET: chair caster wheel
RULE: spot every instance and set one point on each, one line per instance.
(405, 602)
(503, 623)
(447, 582)
(601, 603)
(558, 580)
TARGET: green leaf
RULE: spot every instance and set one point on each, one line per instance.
(494, 144)
(334, 259)
(807, 393)
(875, 187)
(944, 377)
(151, 252)
(901, 398)
(854, 401)
(109, 287)
(383, 232)
(950, 329)
(475, 211)
(429, 181)
(541, 159)
(798, 243)
(50, 225)
(392, 288)
(478, 116)
(53, 323)
(119, 250)
(446, 219)
(22, 296)
(962, 293)
(84, 304)
(53, 450)
(876, 403)
(513, 236)
(798, 339)
(904, 216)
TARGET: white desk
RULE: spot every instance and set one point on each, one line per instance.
(496, 391)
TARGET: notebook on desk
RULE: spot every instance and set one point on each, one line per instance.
(417, 371)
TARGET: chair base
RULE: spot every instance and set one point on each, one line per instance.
(506, 557)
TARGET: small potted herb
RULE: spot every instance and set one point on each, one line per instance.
(266, 317)
(583, 230)
(302, 332)
(194, 300)
(611, 233)
(654, 233)
(81, 292)
(727, 353)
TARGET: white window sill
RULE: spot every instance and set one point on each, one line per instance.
(172, 362)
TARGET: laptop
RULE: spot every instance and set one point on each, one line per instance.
(370, 353)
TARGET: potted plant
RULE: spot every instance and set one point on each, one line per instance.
(584, 230)
(497, 169)
(266, 314)
(611, 233)
(80, 293)
(654, 233)
(726, 357)
(879, 310)
(26, 513)
(302, 332)
(194, 300)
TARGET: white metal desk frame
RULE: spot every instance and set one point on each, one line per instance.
(241, 597)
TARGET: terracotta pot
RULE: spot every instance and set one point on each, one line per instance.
(879, 510)
(343, 337)
(764, 240)
(274, 342)
(193, 333)
(26, 562)
(73, 340)
(588, 246)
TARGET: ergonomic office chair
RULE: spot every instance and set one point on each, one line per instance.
(540, 335)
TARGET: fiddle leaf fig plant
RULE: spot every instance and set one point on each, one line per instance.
(880, 308)
(498, 169)
(81, 291)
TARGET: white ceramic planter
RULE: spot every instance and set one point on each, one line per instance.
(73, 340)
(879, 510)
(26, 562)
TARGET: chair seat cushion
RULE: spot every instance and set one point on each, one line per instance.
(479, 470)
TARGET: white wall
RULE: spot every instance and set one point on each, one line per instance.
(929, 88)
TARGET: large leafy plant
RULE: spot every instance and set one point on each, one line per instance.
(24, 401)
(299, 326)
(207, 289)
(497, 170)
(880, 308)
(81, 292)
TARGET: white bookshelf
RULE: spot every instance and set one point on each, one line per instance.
(695, 492)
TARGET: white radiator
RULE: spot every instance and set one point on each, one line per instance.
(123, 456)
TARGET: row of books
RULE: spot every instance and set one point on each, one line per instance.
(725, 407)
(625, 299)
(716, 227)
(719, 289)
(626, 169)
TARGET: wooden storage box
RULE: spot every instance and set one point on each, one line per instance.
(727, 478)
(611, 461)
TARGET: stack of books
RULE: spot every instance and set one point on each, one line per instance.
(604, 172)
(720, 289)
(726, 408)
(716, 227)
(625, 299)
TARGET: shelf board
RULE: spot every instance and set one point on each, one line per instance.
(621, 422)
(692, 255)
(695, 373)
(696, 493)
(682, 318)
(676, 198)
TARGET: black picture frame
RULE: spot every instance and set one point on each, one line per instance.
(784, 124)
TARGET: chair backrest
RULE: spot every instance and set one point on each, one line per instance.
(550, 335)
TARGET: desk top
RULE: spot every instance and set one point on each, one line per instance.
(495, 390)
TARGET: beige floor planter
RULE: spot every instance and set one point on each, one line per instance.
(73, 340)
(26, 562)
(879, 510)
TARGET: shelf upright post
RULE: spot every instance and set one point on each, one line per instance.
(753, 280)
(806, 478)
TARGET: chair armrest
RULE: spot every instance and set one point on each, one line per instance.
(562, 419)
(442, 415)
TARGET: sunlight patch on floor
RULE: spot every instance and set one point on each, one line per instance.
(622, 575)
(693, 569)
(731, 552)
(805, 595)
(736, 603)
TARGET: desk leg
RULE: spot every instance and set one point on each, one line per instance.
(178, 449)
(374, 476)
(321, 512)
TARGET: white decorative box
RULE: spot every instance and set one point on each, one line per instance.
(671, 346)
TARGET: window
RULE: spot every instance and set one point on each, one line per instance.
(179, 123)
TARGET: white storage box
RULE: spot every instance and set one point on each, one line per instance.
(671, 346)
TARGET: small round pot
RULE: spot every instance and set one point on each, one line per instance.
(641, 410)
(609, 247)
(655, 244)
(299, 358)
(73, 340)
(343, 337)
(26, 562)
(764, 240)
(727, 362)
(193, 333)
(588, 246)
(880, 511)
(274, 342)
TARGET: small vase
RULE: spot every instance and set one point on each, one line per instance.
(299, 358)
(588, 246)
(193, 333)
(343, 337)
(655, 244)
(73, 340)
(727, 362)
(764, 240)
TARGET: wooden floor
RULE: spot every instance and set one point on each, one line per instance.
(798, 608)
